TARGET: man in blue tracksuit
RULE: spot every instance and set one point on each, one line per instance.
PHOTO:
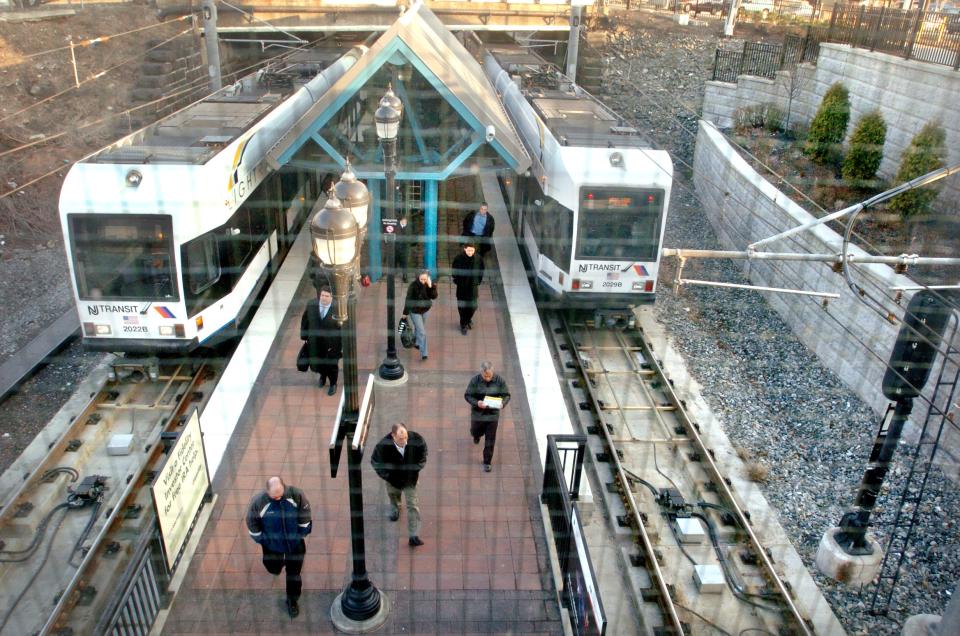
(278, 519)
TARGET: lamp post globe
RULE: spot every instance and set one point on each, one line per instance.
(336, 244)
(388, 121)
(390, 99)
(353, 196)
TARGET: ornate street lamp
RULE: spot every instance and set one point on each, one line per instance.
(388, 125)
(337, 236)
(354, 197)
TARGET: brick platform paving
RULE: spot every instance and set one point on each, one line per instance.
(483, 568)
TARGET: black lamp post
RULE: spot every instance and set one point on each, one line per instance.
(337, 234)
(388, 124)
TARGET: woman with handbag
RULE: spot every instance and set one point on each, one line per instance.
(321, 333)
(420, 296)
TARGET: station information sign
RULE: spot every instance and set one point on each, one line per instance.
(179, 488)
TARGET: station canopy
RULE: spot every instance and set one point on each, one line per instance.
(449, 104)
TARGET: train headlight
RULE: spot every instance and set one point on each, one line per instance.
(166, 330)
(586, 284)
(637, 285)
(103, 330)
(133, 179)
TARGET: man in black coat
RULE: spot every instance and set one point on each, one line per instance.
(322, 333)
(404, 239)
(485, 412)
(480, 225)
(278, 519)
(398, 459)
(467, 275)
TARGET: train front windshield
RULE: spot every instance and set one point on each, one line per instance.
(123, 257)
(621, 224)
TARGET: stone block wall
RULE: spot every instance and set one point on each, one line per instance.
(908, 93)
(848, 337)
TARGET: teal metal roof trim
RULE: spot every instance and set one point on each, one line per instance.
(422, 39)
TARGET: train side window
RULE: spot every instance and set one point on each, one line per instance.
(201, 263)
(556, 232)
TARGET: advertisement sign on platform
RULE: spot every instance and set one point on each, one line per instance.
(179, 489)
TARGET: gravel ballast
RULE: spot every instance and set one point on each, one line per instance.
(774, 398)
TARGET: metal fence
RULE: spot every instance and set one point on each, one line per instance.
(929, 36)
(137, 601)
(763, 59)
(561, 483)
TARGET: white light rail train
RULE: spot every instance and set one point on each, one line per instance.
(172, 232)
(591, 212)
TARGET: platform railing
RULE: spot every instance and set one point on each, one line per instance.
(561, 483)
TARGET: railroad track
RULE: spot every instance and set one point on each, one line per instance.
(71, 530)
(703, 565)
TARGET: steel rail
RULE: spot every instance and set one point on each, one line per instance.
(653, 567)
(722, 485)
(131, 489)
(25, 362)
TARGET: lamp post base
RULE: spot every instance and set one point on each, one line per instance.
(391, 371)
(351, 626)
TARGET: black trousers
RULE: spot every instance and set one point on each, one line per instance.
(487, 429)
(466, 309)
(329, 372)
(293, 561)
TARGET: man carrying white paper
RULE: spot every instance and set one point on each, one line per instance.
(487, 394)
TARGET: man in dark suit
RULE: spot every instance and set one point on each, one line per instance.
(322, 333)
(398, 459)
(480, 225)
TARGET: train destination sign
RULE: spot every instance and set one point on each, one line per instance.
(180, 487)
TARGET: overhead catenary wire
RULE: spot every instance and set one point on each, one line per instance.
(253, 17)
(89, 79)
(191, 87)
(101, 39)
(923, 180)
(736, 144)
(883, 359)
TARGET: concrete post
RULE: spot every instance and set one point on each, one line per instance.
(731, 19)
(573, 42)
(212, 44)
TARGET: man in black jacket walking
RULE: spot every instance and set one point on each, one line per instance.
(278, 519)
(322, 333)
(398, 459)
(487, 394)
(467, 276)
(480, 225)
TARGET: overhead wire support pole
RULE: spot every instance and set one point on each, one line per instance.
(926, 179)
(212, 44)
(903, 259)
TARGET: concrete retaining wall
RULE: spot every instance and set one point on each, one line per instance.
(908, 93)
(847, 336)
